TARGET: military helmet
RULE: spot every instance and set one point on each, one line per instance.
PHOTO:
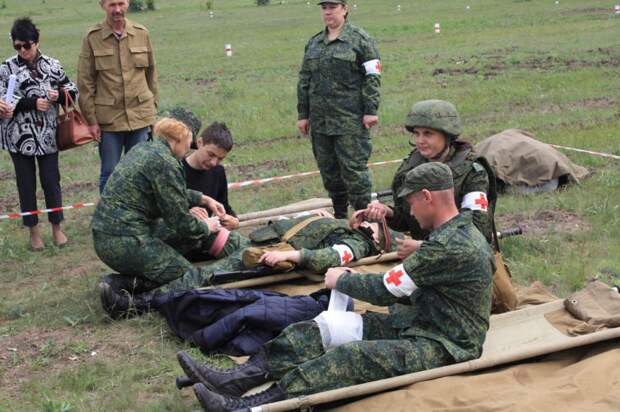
(435, 114)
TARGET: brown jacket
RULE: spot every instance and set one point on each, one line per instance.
(117, 79)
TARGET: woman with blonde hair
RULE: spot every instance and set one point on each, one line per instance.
(142, 227)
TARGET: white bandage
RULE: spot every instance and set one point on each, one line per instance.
(338, 328)
(345, 253)
(475, 201)
(373, 67)
(398, 282)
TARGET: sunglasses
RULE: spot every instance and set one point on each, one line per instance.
(25, 46)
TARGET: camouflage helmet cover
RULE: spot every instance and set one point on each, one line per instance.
(435, 114)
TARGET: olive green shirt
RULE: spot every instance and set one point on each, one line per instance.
(117, 78)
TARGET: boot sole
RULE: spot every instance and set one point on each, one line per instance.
(200, 392)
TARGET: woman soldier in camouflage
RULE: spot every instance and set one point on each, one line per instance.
(338, 99)
(436, 126)
(142, 227)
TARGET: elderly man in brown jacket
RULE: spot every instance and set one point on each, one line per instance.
(118, 85)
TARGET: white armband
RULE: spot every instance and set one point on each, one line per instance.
(398, 282)
(475, 201)
(373, 67)
(345, 253)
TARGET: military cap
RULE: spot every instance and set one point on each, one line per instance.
(333, 1)
(435, 114)
(431, 176)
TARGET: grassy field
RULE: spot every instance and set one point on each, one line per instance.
(550, 68)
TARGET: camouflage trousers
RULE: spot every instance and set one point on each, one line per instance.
(297, 358)
(343, 162)
(162, 256)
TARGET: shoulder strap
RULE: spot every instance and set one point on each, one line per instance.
(299, 226)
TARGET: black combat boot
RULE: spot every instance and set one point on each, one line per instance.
(341, 207)
(215, 402)
(132, 284)
(235, 381)
(121, 304)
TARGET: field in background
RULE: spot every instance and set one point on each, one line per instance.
(551, 69)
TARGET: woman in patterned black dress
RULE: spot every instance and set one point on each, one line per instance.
(29, 133)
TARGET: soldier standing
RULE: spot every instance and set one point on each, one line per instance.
(338, 100)
(118, 85)
(439, 298)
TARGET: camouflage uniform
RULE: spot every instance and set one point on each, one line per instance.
(141, 226)
(444, 320)
(335, 92)
(471, 174)
(315, 242)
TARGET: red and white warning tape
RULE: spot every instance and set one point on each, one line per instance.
(258, 182)
(600, 154)
(40, 212)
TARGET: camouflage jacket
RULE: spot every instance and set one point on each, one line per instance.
(334, 89)
(471, 173)
(450, 300)
(313, 240)
(146, 185)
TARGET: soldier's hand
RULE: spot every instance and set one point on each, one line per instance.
(43, 105)
(376, 211)
(199, 213)
(406, 247)
(370, 120)
(229, 222)
(333, 274)
(213, 205)
(304, 126)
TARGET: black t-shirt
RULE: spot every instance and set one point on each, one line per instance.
(210, 182)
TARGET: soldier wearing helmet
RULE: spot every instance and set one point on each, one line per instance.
(436, 127)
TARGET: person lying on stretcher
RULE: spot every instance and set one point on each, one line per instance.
(317, 241)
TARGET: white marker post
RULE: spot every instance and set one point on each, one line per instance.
(211, 14)
(437, 28)
(398, 8)
(617, 9)
(228, 49)
(355, 6)
(467, 8)
(10, 91)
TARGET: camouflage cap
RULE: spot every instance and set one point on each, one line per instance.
(432, 176)
(333, 1)
(435, 114)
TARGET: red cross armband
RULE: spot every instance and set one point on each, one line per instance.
(398, 282)
(373, 67)
(475, 201)
(345, 253)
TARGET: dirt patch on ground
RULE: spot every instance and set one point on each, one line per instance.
(79, 187)
(9, 204)
(6, 175)
(258, 142)
(544, 222)
(253, 170)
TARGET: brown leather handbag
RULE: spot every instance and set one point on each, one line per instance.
(72, 131)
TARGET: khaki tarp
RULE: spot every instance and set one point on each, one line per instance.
(519, 159)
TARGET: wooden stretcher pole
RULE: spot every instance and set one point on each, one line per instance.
(456, 369)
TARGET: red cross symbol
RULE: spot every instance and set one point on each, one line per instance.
(482, 201)
(394, 277)
(378, 67)
(346, 257)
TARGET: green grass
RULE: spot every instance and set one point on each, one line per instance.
(551, 69)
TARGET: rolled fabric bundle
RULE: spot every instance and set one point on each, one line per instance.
(220, 241)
